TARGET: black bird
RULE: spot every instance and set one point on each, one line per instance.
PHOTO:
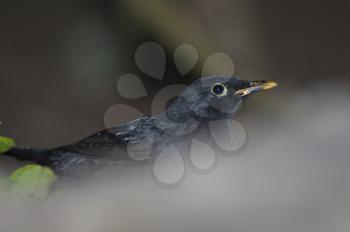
(206, 99)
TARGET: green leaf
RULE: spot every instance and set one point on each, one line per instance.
(32, 181)
(6, 144)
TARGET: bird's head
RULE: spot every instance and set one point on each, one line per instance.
(214, 97)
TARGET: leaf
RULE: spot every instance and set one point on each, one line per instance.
(32, 181)
(6, 144)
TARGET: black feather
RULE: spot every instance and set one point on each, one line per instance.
(143, 138)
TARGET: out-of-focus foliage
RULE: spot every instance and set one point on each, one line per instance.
(6, 144)
(32, 181)
(29, 182)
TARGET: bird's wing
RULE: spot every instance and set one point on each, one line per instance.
(123, 142)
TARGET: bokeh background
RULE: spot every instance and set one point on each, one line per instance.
(59, 61)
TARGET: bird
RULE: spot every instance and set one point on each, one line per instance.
(206, 99)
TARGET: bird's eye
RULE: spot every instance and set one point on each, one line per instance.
(219, 90)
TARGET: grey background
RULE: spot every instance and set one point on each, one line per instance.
(59, 61)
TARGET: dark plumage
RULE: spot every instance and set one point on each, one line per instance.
(209, 98)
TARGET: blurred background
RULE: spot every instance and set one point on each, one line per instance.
(60, 60)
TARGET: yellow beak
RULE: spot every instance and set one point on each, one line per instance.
(256, 86)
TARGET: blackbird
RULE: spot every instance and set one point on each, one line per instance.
(206, 99)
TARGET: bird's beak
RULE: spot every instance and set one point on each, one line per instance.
(254, 87)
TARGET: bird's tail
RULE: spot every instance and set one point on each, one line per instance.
(38, 156)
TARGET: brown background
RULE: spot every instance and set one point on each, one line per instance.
(59, 59)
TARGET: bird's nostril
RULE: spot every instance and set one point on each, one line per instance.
(255, 83)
